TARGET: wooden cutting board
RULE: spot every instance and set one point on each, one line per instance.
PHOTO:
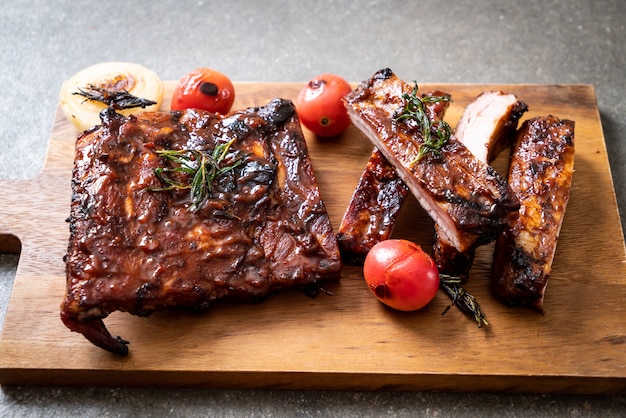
(349, 340)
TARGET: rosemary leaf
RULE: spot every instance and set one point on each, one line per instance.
(434, 137)
(204, 167)
(117, 99)
(460, 297)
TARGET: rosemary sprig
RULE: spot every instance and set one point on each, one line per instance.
(460, 297)
(434, 135)
(203, 166)
(117, 99)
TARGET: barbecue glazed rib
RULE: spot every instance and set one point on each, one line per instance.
(540, 173)
(372, 211)
(375, 204)
(466, 197)
(486, 127)
(137, 248)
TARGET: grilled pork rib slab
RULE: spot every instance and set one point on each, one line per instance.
(486, 127)
(466, 197)
(136, 248)
(376, 201)
(540, 173)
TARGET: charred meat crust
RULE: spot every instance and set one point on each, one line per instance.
(95, 331)
(451, 261)
(469, 200)
(540, 173)
(377, 199)
(487, 127)
(372, 211)
(136, 249)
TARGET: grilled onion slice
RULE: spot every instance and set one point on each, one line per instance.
(120, 77)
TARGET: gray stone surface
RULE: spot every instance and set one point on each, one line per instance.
(472, 41)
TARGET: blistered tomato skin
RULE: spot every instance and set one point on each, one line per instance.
(205, 89)
(319, 105)
(401, 275)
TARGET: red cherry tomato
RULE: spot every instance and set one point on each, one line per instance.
(319, 105)
(204, 89)
(401, 275)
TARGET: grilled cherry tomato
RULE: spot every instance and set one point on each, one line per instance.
(401, 275)
(319, 105)
(204, 89)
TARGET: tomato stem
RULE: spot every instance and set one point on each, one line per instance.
(208, 88)
(381, 290)
(460, 297)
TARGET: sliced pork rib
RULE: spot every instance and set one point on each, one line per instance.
(137, 248)
(373, 209)
(486, 127)
(488, 123)
(466, 197)
(540, 174)
(375, 204)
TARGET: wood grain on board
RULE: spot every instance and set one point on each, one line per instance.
(349, 340)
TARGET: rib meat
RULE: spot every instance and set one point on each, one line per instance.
(540, 173)
(136, 248)
(488, 122)
(466, 197)
(376, 201)
(486, 127)
(373, 209)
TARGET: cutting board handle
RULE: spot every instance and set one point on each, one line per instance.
(10, 244)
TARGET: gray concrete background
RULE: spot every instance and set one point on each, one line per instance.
(472, 41)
